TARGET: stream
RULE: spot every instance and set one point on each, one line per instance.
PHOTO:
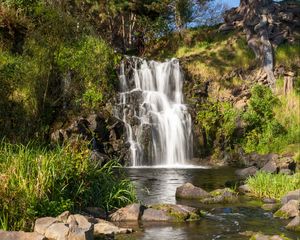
(158, 185)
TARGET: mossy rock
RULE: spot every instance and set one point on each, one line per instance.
(225, 195)
(180, 213)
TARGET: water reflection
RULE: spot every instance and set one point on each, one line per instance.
(222, 222)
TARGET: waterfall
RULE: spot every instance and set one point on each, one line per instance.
(151, 106)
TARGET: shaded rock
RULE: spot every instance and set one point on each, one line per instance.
(106, 228)
(152, 214)
(96, 212)
(225, 195)
(270, 167)
(244, 189)
(131, 212)
(42, 224)
(246, 172)
(63, 217)
(270, 207)
(179, 212)
(288, 210)
(57, 231)
(189, 191)
(5, 235)
(294, 225)
(292, 195)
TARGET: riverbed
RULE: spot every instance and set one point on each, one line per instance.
(227, 221)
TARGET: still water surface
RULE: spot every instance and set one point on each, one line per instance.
(158, 185)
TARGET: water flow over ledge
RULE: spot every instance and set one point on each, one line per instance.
(151, 106)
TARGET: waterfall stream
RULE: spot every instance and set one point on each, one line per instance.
(151, 106)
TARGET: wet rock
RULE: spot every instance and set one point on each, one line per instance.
(57, 231)
(294, 225)
(5, 235)
(155, 215)
(42, 224)
(107, 228)
(189, 191)
(288, 210)
(246, 172)
(292, 195)
(260, 236)
(244, 189)
(270, 167)
(179, 212)
(131, 212)
(225, 195)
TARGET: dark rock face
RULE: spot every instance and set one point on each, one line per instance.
(189, 191)
(105, 133)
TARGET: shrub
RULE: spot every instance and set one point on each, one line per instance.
(275, 186)
(264, 132)
(40, 182)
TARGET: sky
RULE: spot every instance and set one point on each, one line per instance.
(231, 3)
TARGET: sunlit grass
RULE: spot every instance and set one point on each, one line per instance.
(267, 185)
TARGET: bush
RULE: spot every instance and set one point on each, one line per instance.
(267, 185)
(40, 182)
(264, 132)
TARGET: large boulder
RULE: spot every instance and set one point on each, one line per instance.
(57, 231)
(246, 172)
(42, 224)
(294, 225)
(107, 228)
(189, 191)
(131, 212)
(288, 210)
(270, 167)
(292, 195)
(4, 235)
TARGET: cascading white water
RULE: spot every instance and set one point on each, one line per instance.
(151, 106)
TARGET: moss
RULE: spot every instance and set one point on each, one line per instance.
(281, 214)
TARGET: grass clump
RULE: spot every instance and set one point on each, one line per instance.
(274, 186)
(40, 182)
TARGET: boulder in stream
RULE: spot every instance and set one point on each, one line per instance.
(292, 195)
(225, 195)
(189, 191)
(294, 225)
(131, 212)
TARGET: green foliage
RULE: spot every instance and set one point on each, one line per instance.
(264, 133)
(267, 185)
(218, 119)
(40, 182)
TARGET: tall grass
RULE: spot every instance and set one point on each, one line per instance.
(37, 182)
(273, 185)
